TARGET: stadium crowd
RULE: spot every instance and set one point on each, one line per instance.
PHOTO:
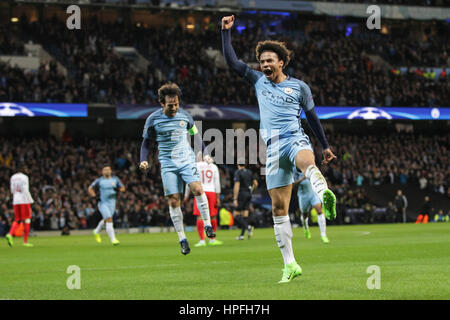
(60, 173)
(212, 2)
(343, 66)
(9, 46)
(437, 3)
(406, 159)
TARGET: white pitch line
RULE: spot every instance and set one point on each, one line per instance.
(363, 233)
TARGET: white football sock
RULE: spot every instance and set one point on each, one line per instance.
(283, 235)
(177, 218)
(110, 231)
(99, 226)
(203, 207)
(322, 224)
(304, 221)
(318, 182)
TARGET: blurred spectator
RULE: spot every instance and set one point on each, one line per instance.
(401, 203)
(357, 69)
(3, 229)
(426, 212)
(54, 222)
(61, 172)
(390, 212)
(440, 217)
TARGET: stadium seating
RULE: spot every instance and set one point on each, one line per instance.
(342, 61)
(62, 171)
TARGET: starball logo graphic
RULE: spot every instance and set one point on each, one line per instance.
(13, 109)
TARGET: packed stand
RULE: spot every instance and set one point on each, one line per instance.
(60, 173)
(332, 59)
(431, 3)
(439, 3)
(419, 160)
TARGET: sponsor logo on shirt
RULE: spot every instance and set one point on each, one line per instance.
(276, 99)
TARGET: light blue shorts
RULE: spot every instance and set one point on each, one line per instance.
(307, 201)
(107, 209)
(281, 153)
(173, 178)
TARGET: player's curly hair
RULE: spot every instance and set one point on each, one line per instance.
(278, 47)
(169, 89)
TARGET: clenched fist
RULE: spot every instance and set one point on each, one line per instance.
(144, 166)
(227, 22)
(328, 156)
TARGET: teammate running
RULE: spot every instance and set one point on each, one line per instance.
(108, 186)
(170, 125)
(307, 199)
(281, 99)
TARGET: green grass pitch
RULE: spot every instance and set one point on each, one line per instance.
(414, 263)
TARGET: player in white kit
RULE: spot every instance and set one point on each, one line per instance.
(22, 200)
(210, 180)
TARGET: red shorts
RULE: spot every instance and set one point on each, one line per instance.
(22, 211)
(211, 202)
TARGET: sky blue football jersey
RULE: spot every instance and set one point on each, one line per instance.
(280, 104)
(304, 187)
(107, 187)
(172, 137)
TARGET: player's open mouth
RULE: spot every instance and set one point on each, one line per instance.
(268, 72)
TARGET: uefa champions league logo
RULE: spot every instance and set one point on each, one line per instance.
(14, 110)
(369, 113)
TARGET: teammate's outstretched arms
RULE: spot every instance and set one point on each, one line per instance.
(145, 150)
(228, 51)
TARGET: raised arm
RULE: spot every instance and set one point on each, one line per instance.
(228, 51)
